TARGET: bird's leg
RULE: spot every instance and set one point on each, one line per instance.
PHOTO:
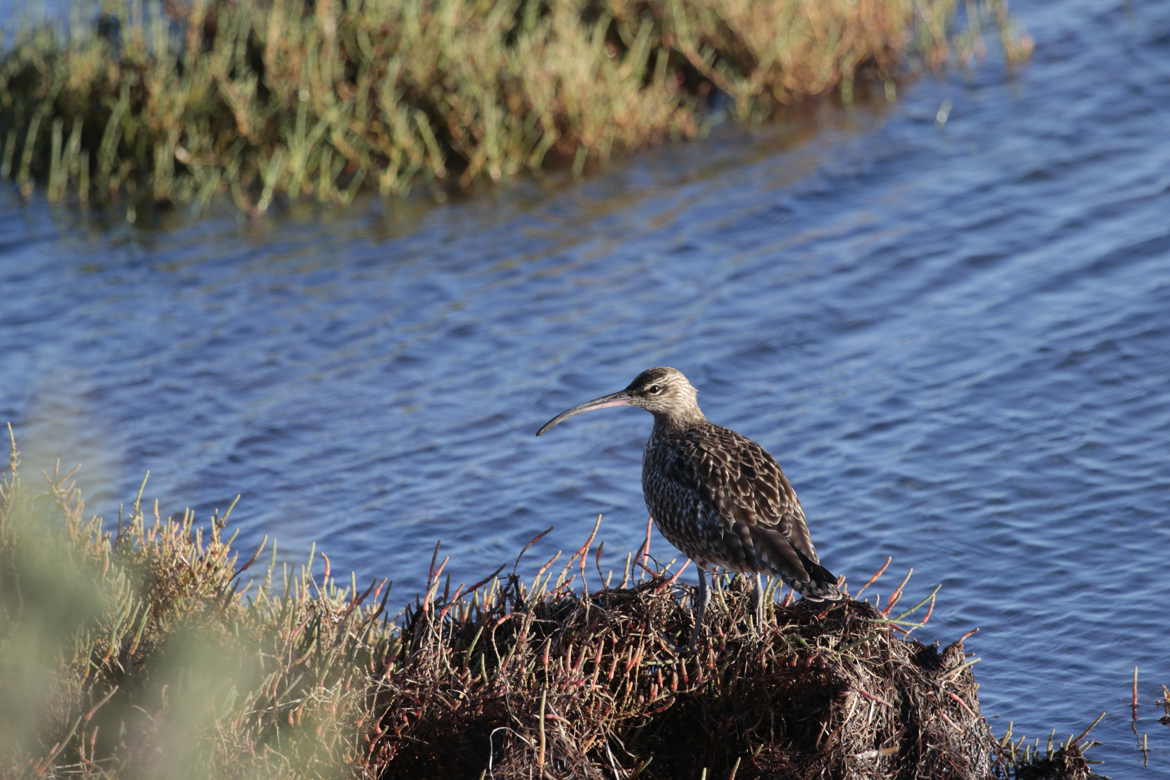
(759, 604)
(699, 606)
(717, 590)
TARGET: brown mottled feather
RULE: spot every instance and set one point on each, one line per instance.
(724, 501)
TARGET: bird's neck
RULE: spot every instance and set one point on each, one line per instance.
(678, 419)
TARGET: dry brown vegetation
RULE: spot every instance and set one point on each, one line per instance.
(177, 101)
(141, 651)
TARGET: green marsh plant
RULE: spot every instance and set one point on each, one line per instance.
(177, 101)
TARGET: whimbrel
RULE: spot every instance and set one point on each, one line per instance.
(716, 495)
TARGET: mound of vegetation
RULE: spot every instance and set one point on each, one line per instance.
(141, 651)
(599, 685)
(178, 100)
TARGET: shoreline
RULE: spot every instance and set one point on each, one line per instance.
(141, 647)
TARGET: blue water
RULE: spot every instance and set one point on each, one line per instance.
(954, 336)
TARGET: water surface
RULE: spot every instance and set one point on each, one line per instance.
(955, 337)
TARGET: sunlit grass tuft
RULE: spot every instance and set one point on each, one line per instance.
(181, 100)
(137, 652)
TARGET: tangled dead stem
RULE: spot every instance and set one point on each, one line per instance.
(601, 685)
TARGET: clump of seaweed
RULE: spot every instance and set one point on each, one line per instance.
(144, 650)
(180, 100)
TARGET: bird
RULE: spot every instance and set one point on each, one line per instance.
(716, 495)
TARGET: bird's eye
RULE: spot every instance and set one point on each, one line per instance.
(654, 389)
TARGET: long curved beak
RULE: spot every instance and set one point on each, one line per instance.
(620, 398)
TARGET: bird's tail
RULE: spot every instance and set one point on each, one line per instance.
(800, 571)
(821, 584)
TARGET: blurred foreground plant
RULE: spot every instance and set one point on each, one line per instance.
(136, 652)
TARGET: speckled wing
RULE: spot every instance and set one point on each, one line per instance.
(733, 507)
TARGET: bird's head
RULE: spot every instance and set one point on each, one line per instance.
(665, 392)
